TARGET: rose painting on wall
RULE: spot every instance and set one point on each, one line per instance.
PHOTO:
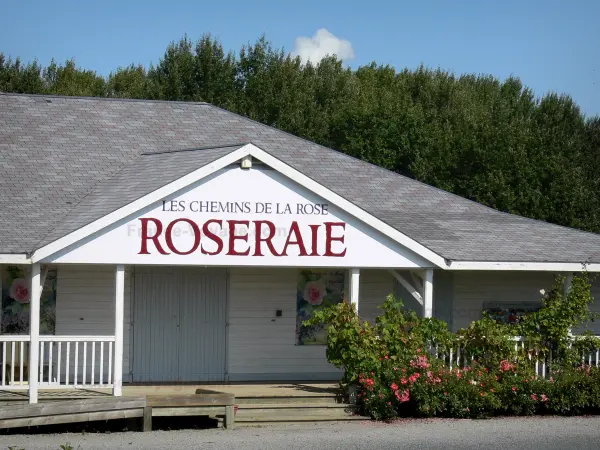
(316, 289)
(16, 295)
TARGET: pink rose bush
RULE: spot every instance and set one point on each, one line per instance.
(398, 372)
(423, 386)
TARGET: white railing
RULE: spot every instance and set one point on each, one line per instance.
(15, 359)
(64, 361)
(457, 356)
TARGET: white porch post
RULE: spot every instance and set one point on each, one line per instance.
(119, 306)
(354, 286)
(428, 293)
(34, 332)
(567, 284)
(1, 305)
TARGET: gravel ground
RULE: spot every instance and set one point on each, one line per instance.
(509, 433)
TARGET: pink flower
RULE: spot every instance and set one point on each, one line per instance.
(420, 362)
(404, 396)
(534, 397)
(505, 366)
(544, 398)
(314, 291)
(19, 290)
(514, 388)
(394, 387)
(414, 377)
(403, 380)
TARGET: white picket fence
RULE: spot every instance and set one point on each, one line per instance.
(457, 356)
(64, 361)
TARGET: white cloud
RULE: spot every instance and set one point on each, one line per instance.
(322, 44)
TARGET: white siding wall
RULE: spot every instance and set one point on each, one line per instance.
(262, 346)
(375, 286)
(594, 307)
(85, 305)
(473, 289)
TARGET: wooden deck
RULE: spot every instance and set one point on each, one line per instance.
(61, 406)
(258, 402)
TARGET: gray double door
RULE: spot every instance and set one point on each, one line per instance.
(179, 324)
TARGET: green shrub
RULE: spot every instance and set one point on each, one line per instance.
(398, 376)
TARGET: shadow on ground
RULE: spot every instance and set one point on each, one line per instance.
(115, 426)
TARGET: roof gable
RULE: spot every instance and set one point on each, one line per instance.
(147, 173)
(109, 239)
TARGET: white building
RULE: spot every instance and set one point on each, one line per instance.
(149, 241)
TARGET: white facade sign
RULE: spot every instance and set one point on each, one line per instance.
(239, 217)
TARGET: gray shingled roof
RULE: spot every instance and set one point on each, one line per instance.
(66, 161)
(140, 177)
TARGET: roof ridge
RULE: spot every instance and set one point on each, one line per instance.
(193, 149)
(109, 99)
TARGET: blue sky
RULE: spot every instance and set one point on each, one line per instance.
(551, 45)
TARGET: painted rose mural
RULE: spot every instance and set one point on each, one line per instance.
(19, 290)
(316, 289)
(15, 297)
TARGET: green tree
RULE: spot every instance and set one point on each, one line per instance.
(129, 82)
(482, 138)
(67, 79)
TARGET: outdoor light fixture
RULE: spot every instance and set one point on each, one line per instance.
(246, 162)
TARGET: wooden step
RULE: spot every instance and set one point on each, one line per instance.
(271, 399)
(283, 406)
(296, 416)
(278, 413)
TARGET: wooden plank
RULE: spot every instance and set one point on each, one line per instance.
(147, 419)
(62, 408)
(72, 407)
(190, 400)
(212, 411)
(72, 418)
(229, 422)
